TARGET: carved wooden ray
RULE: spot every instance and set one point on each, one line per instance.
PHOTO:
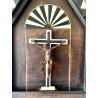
(47, 16)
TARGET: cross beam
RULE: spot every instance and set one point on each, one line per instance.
(48, 40)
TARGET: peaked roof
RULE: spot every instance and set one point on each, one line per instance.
(23, 3)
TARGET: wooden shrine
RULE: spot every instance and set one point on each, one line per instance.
(48, 22)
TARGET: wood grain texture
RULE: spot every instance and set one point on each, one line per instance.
(77, 46)
(49, 96)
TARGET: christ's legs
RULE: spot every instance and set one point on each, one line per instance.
(47, 75)
(51, 65)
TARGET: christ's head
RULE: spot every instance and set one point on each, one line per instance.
(45, 46)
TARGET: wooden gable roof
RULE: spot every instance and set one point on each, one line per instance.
(23, 3)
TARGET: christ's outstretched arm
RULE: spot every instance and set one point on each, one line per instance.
(38, 45)
(58, 45)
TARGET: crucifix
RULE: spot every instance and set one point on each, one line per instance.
(48, 59)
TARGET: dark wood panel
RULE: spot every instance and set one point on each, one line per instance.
(36, 56)
(77, 57)
(77, 43)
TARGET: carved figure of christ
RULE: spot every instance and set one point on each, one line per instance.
(48, 58)
(45, 44)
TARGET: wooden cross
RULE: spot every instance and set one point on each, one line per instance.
(49, 41)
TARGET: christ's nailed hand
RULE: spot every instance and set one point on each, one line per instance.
(33, 41)
(63, 41)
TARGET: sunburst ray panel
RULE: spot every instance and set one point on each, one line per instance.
(47, 16)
